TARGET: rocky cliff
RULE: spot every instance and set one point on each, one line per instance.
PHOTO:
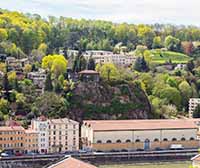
(109, 101)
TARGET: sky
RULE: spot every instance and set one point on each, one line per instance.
(177, 12)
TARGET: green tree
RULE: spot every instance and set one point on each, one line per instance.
(48, 83)
(172, 95)
(51, 105)
(141, 65)
(57, 64)
(172, 43)
(107, 71)
(157, 42)
(186, 92)
(4, 106)
(91, 64)
(3, 34)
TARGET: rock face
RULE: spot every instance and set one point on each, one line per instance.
(104, 101)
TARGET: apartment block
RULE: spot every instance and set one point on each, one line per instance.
(63, 135)
(109, 57)
(57, 135)
(12, 138)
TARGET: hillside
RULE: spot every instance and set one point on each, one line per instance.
(103, 101)
(160, 57)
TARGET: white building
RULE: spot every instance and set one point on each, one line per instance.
(41, 126)
(193, 103)
(109, 57)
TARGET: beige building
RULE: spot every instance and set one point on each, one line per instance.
(138, 134)
(193, 103)
(12, 138)
(196, 161)
(31, 141)
(63, 135)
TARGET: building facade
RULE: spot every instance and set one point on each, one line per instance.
(63, 135)
(57, 135)
(193, 103)
(12, 138)
(138, 134)
(31, 141)
(41, 126)
(109, 57)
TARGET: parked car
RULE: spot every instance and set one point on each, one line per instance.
(4, 154)
(18, 153)
(31, 154)
(176, 147)
(140, 150)
(158, 149)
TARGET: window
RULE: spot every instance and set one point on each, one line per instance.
(174, 139)
(191, 139)
(99, 141)
(128, 141)
(137, 140)
(156, 140)
(108, 141)
(118, 141)
(165, 139)
(183, 139)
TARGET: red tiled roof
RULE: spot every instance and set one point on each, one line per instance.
(72, 163)
(115, 125)
(88, 72)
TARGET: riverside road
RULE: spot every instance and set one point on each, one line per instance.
(39, 161)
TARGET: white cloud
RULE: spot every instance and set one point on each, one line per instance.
(134, 11)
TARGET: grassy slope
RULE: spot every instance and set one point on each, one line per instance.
(163, 56)
(164, 165)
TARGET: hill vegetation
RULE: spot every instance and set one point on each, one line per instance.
(161, 57)
(147, 88)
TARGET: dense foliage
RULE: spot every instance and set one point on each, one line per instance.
(158, 49)
(22, 34)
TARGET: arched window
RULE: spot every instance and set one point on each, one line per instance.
(128, 141)
(99, 141)
(118, 141)
(156, 140)
(183, 139)
(137, 140)
(191, 139)
(165, 139)
(174, 139)
(108, 141)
